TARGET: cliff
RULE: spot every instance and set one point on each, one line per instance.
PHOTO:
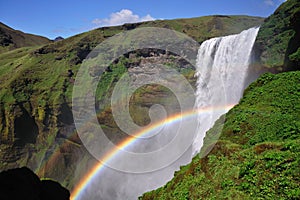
(256, 155)
(37, 128)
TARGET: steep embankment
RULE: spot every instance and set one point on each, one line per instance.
(11, 39)
(37, 128)
(257, 154)
(278, 42)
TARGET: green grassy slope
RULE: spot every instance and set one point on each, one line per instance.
(257, 155)
(45, 69)
(11, 39)
(35, 93)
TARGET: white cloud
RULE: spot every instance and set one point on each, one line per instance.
(121, 17)
(269, 2)
(273, 2)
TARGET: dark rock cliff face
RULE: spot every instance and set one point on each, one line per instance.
(26, 129)
(292, 56)
(277, 43)
(22, 183)
(41, 138)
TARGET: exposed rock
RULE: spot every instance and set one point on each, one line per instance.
(44, 50)
(22, 183)
(292, 56)
(5, 39)
(130, 26)
(26, 129)
(59, 38)
(278, 37)
(70, 73)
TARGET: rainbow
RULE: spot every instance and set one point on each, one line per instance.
(87, 179)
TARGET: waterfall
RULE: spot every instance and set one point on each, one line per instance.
(222, 66)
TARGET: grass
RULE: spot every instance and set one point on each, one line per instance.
(36, 78)
(11, 39)
(257, 154)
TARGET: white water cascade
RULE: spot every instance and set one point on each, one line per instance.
(222, 66)
(222, 69)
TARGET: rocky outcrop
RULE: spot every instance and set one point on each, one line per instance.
(292, 56)
(277, 43)
(22, 183)
(59, 38)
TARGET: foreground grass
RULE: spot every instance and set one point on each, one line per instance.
(257, 155)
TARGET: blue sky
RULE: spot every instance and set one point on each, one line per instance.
(69, 17)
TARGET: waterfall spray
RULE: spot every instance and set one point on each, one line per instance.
(222, 66)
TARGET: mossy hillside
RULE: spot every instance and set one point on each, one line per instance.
(203, 28)
(257, 153)
(11, 39)
(55, 58)
(278, 39)
(144, 97)
(40, 85)
(200, 29)
(39, 75)
(58, 56)
(35, 87)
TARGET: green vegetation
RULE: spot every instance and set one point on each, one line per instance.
(257, 155)
(46, 67)
(278, 40)
(11, 39)
(39, 74)
(110, 78)
(203, 28)
(36, 90)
